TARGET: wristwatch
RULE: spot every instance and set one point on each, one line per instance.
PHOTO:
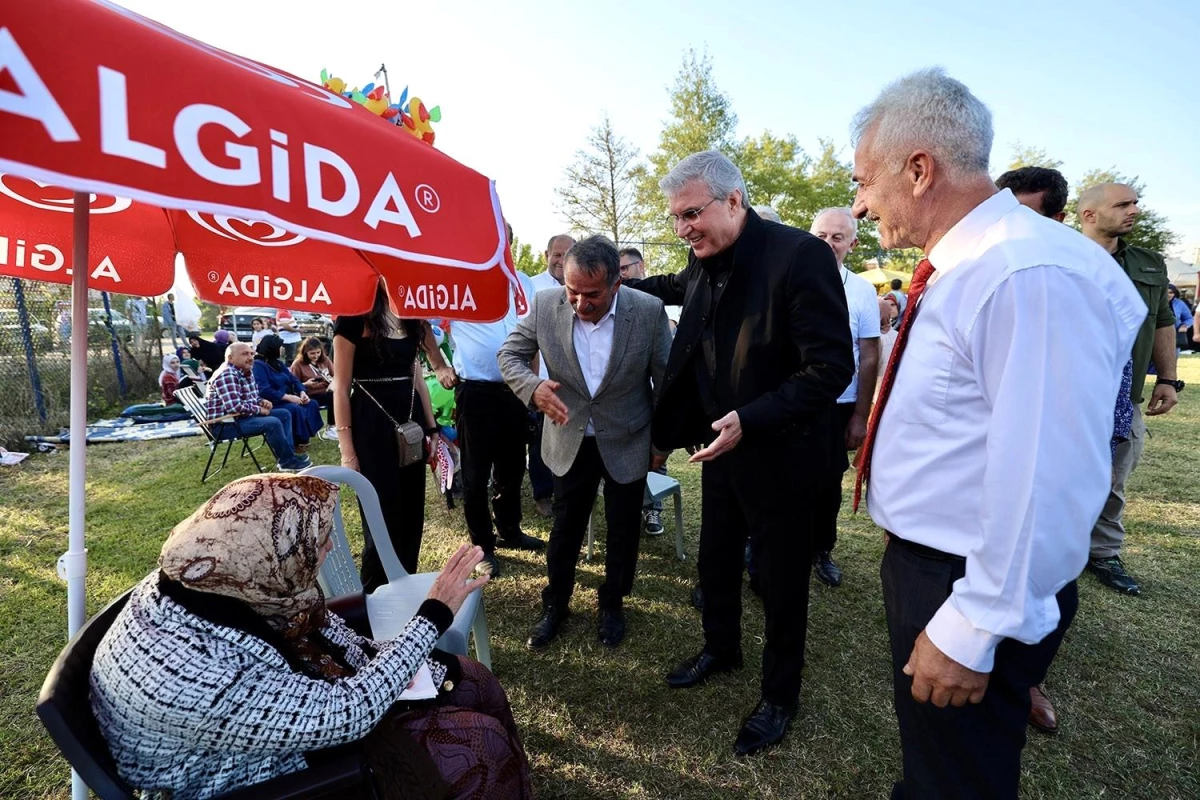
(1176, 385)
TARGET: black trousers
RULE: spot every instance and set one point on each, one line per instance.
(574, 496)
(541, 479)
(828, 501)
(974, 751)
(401, 490)
(736, 504)
(492, 432)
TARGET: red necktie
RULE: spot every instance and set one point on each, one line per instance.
(863, 462)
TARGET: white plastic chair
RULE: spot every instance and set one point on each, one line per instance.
(657, 488)
(391, 606)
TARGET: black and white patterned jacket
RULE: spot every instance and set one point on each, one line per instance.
(191, 709)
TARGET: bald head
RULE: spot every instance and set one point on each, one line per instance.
(240, 355)
(1108, 210)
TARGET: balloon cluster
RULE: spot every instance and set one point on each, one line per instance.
(409, 114)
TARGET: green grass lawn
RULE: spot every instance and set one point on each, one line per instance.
(600, 723)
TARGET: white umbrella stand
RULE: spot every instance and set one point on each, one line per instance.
(72, 565)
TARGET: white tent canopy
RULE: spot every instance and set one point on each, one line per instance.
(1181, 273)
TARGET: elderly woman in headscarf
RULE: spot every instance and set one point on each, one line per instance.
(226, 669)
(277, 384)
(169, 378)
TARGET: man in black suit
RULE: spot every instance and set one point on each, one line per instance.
(761, 354)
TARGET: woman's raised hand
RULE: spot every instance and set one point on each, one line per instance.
(452, 585)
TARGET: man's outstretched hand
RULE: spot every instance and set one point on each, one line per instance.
(729, 433)
(544, 398)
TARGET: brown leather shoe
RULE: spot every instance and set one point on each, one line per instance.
(1041, 714)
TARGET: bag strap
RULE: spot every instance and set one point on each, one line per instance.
(412, 403)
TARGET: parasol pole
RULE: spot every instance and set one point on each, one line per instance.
(72, 565)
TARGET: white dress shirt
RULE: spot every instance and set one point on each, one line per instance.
(543, 280)
(477, 343)
(863, 305)
(593, 348)
(994, 444)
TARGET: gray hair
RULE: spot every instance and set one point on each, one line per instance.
(595, 255)
(766, 212)
(928, 109)
(713, 168)
(840, 210)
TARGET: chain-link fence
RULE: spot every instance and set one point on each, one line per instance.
(125, 350)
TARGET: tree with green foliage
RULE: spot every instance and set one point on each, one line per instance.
(1024, 156)
(780, 174)
(525, 259)
(702, 118)
(600, 188)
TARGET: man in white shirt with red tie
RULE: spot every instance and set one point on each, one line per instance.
(987, 454)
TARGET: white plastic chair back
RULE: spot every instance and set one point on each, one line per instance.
(391, 606)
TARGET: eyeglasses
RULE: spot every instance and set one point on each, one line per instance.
(630, 265)
(691, 215)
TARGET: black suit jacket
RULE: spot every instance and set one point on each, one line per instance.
(782, 341)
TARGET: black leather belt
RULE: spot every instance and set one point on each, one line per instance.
(922, 550)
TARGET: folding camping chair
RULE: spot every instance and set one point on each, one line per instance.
(192, 400)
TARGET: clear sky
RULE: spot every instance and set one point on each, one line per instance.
(520, 82)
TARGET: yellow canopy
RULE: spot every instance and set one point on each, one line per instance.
(884, 277)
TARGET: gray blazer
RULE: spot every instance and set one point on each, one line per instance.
(621, 410)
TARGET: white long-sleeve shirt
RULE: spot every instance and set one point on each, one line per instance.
(994, 444)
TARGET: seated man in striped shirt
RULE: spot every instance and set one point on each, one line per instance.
(232, 390)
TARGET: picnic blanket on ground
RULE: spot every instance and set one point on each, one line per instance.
(125, 430)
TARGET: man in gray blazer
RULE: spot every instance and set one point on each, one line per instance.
(602, 352)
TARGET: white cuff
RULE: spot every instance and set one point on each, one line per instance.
(954, 635)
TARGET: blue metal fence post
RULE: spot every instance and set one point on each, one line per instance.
(116, 348)
(35, 378)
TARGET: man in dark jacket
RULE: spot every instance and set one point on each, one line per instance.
(761, 354)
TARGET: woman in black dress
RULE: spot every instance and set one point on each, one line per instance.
(376, 354)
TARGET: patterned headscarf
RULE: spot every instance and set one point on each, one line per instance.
(257, 540)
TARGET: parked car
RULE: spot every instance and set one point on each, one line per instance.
(11, 336)
(98, 328)
(310, 323)
(238, 321)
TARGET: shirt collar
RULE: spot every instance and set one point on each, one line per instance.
(958, 243)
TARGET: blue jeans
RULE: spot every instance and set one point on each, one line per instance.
(276, 426)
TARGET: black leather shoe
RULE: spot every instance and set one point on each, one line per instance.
(519, 540)
(826, 571)
(546, 629)
(698, 668)
(765, 727)
(610, 627)
(697, 598)
(490, 565)
(1111, 572)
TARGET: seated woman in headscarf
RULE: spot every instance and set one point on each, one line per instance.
(225, 668)
(277, 384)
(195, 365)
(169, 378)
(211, 354)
